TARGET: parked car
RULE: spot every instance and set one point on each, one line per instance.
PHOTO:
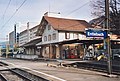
(9, 54)
(116, 56)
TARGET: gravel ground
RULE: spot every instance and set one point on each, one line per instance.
(64, 73)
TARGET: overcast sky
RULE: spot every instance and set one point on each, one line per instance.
(33, 10)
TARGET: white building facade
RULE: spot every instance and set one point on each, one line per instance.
(23, 37)
(28, 34)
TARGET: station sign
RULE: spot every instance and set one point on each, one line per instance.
(96, 33)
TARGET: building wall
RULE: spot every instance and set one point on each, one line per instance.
(32, 33)
(28, 35)
(45, 51)
(71, 36)
(38, 51)
(32, 50)
(48, 32)
(60, 36)
(12, 39)
(52, 36)
(23, 38)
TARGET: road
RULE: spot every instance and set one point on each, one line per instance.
(58, 73)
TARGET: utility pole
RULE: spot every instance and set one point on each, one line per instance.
(0, 51)
(109, 60)
(7, 47)
(28, 31)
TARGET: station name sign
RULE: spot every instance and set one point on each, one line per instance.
(96, 33)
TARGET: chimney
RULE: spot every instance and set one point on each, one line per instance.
(52, 14)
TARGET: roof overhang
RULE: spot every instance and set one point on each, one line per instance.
(73, 41)
(85, 41)
(32, 42)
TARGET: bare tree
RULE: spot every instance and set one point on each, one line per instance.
(99, 10)
(98, 7)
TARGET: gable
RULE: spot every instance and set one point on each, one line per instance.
(41, 27)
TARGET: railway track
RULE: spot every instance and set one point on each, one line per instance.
(96, 66)
(19, 75)
(16, 74)
(3, 64)
(2, 78)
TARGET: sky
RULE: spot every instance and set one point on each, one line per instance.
(33, 10)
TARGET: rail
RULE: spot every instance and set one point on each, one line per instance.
(2, 78)
(97, 66)
(7, 74)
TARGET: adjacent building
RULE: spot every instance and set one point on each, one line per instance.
(28, 40)
(13, 39)
(23, 38)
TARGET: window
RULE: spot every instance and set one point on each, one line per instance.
(67, 35)
(45, 38)
(54, 36)
(35, 32)
(49, 37)
(76, 35)
(49, 27)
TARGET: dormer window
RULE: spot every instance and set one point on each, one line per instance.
(49, 27)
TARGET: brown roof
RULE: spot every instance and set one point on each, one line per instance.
(62, 24)
(67, 24)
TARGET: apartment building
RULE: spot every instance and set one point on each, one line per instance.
(28, 39)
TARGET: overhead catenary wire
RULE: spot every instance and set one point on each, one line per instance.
(6, 10)
(26, 0)
(77, 8)
(14, 14)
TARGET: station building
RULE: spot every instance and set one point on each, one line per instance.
(62, 38)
